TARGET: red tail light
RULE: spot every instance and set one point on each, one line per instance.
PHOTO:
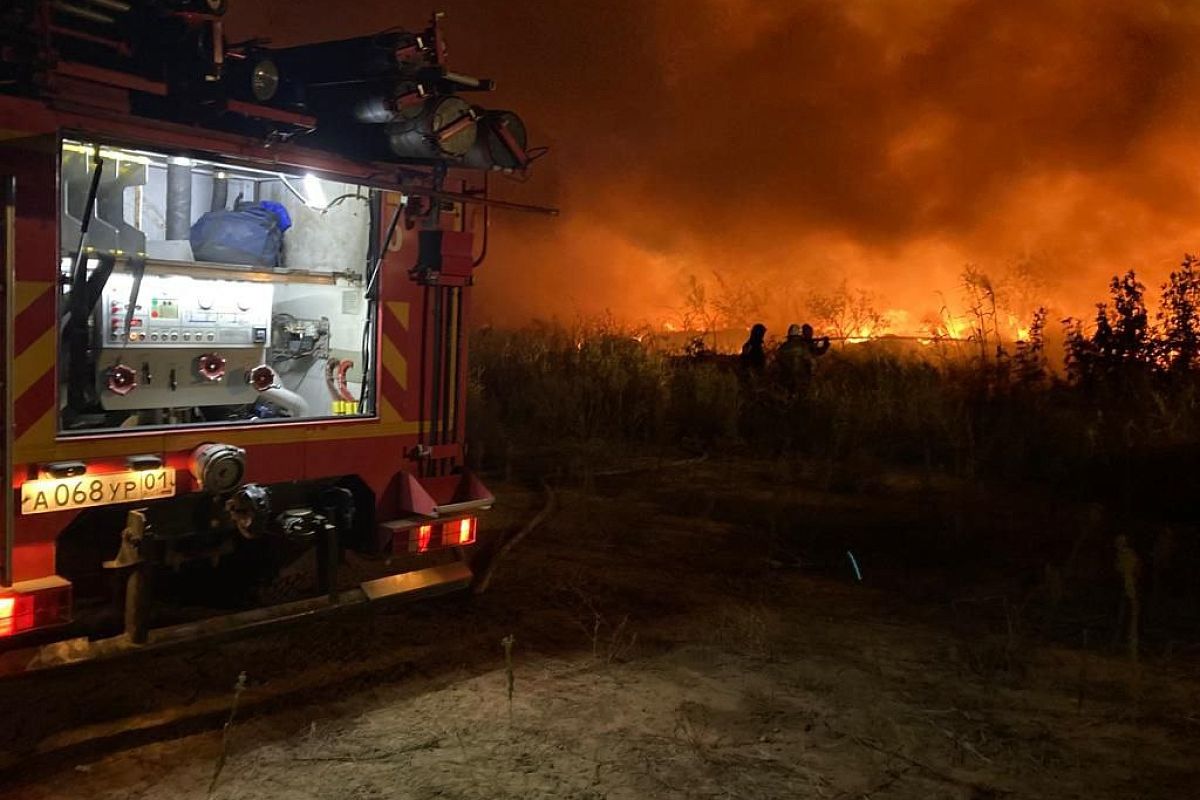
(47, 602)
(466, 530)
(423, 538)
(16, 614)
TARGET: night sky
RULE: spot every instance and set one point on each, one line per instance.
(794, 144)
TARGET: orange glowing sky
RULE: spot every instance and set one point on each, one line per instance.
(793, 144)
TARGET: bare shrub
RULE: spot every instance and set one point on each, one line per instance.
(843, 313)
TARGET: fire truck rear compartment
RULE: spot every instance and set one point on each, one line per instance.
(215, 292)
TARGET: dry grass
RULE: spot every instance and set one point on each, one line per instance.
(546, 400)
(873, 405)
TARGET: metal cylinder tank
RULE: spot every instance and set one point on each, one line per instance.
(399, 103)
(445, 129)
(500, 143)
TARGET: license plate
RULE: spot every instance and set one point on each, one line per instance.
(83, 491)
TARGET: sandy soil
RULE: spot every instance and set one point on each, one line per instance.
(660, 651)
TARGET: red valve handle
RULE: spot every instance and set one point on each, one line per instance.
(122, 380)
(211, 366)
(261, 378)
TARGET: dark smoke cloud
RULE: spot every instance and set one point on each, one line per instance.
(801, 141)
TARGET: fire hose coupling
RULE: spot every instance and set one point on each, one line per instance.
(218, 467)
(262, 378)
(250, 509)
(210, 366)
(122, 379)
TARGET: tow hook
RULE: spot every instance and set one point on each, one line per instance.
(130, 552)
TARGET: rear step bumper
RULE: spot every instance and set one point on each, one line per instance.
(443, 579)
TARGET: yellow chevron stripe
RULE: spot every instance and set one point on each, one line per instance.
(399, 310)
(395, 363)
(39, 433)
(33, 363)
(387, 413)
(28, 291)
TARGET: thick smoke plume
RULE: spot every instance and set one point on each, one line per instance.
(789, 145)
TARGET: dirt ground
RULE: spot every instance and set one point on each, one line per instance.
(681, 631)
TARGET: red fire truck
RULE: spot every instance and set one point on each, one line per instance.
(235, 291)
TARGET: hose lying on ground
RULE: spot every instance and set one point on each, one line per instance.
(485, 578)
(683, 462)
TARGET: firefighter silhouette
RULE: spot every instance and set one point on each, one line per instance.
(754, 357)
(798, 354)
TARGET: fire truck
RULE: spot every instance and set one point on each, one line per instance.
(235, 294)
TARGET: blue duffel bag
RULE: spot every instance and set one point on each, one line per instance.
(251, 234)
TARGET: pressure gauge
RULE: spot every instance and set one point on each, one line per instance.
(218, 467)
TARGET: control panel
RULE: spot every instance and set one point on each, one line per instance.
(180, 311)
(189, 342)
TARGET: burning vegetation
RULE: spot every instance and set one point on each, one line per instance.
(1102, 427)
(1104, 411)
